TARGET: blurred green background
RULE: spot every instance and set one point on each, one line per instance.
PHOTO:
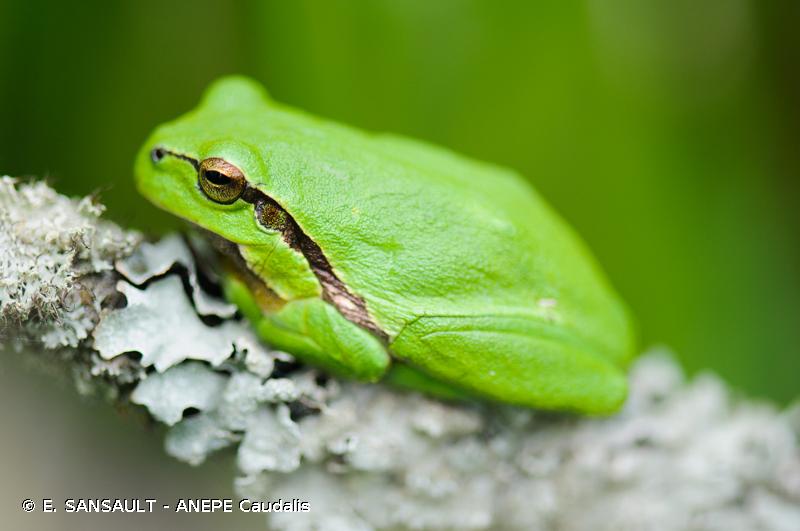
(666, 132)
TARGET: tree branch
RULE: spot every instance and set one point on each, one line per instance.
(134, 323)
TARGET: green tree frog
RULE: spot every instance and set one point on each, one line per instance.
(376, 256)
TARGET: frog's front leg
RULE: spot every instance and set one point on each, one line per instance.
(316, 333)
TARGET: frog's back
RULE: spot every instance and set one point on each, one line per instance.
(420, 230)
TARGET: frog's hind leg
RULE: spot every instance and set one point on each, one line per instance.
(316, 333)
(515, 359)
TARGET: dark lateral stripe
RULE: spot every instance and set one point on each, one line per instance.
(334, 291)
(273, 216)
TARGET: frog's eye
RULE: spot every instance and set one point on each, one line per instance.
(221, 181)
(157, 154)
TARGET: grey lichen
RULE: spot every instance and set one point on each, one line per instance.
(184, 386)
(156, 259)
(681, 455)
(54, 253)
(160, 323)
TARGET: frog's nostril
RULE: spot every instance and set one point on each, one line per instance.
(157, 154)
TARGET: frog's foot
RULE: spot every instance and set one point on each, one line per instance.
(513, 359)
(313, 331)
(318, 334)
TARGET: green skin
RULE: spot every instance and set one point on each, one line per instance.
(375, 256)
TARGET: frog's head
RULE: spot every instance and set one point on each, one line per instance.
(204, 167)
